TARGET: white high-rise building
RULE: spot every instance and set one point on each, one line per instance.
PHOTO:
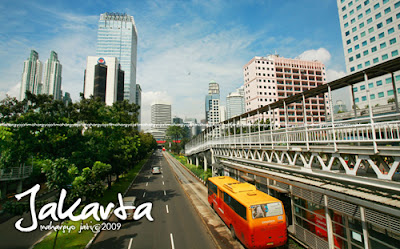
(370, 35)
(117, 37)
(31, 75)
(104, 79)
(212, 103)
(161, 118)
(52, 77)
(272, 78)
(235, 103)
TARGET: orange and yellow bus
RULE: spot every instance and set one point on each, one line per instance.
(258, 220)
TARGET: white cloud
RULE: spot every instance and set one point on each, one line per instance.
(332, 74)
(320, 54)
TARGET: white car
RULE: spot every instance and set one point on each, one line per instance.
(129, 201)
(156, 170)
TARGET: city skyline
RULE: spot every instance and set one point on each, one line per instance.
(187, 45)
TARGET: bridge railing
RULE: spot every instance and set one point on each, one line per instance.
(339, 133)
(15, 173)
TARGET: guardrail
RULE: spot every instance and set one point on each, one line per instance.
(15, 173)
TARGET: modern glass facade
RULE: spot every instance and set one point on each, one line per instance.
(370, 35)
(235, 103)
(31, 75)
(52, 77)
(117, 37)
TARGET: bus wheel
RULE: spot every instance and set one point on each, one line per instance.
(233, 232)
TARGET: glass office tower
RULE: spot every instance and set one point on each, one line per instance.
(117, 37)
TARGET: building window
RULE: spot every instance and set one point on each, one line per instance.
(363, 34)
(390, 92)
(361, 25)
(372, 96)
(355, 89)
(377, 16)
(348, 41)
(367, 63)
(344, 17)
(398, 15)
(349, 50)
(359, 7)
(381, 35)
(356, 100)
(395, 53)
(385, 57)
(369, 20)
(352, 20)
(387, 10)
(368, 11)
(383, 45)
(370, 30)
(344, 8)
(376, 6)
(362, 87)
(360, 16)
(388, 80)
(364, 43)
(351, 59)
(359, 66)
(389, 20)
(396, 5)
(373, 49)
(358, 56)
(351, 12)
(391, 30)
(381, 94)
(364, 98)
(376, 60)
(366, 2)
(356, 47)
(372, 39)
(352, 69)
(346, 24)
(392, 41)
(354, 29)
(370, 85)
(379, 83)
(355, 38)
(347, 33)
(365, 52)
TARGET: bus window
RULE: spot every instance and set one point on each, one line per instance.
(212, 188)
(266, 210)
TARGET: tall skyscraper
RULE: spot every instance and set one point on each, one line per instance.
(117, 37)
(161, 118)
(269, 79)
(52, 77)
(31, 75)
(370, 35)
(104, 78)
(235, 103)
(212, 103)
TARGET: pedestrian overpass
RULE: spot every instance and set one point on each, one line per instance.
(339, 180)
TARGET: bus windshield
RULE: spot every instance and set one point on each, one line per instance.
(266, 210)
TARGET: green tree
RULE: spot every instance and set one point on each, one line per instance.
(391, 100)
(59, 173)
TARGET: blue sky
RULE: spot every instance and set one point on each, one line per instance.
(182, 45)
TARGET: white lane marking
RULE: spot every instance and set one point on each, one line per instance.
(165, 193)
(162, 182)
(172, 241)
(166, 206)
(147, 184)
(130, 244)
(144, 194)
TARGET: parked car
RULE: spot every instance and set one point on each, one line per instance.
(156, 170)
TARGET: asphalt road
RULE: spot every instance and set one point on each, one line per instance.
(176, 224)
